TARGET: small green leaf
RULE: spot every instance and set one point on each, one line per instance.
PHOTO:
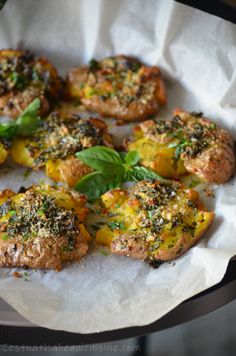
(8, 129)
(93, 64)
(194, 183)
(104, 252)
(5, 237)
(25, 125)
(139, 173)
(102, 159)
(29, 120)
(132, 158)
(123, 155)
(173, 144)
(95, 184)
(178, 152)
(113, 225)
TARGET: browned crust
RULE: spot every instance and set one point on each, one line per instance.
(71, 170)
(130, 246)
(43, 252)
(40, 253)
(138, 109)
(13, 103)
(216, 164)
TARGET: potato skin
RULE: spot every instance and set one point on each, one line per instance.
(68, 170)
(135, 96)
(153, 220)
(214, 161)
(42, 81)
(39, 251)
(215, 164)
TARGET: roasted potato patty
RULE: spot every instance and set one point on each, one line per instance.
(55, 143)
(24, 77)
(153, 220)
(187, 143)
(119, 87)
(41, 227)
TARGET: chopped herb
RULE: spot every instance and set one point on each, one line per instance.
(5, 237)
(93, 64)
(26, 276)
(27, 173)
(68, 248)
(40, 212)
(194, 183)
(192, 204)
(196, 113)
(155, 263)
(104, 252)
(113, 225)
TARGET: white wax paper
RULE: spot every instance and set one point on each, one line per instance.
(197, 55)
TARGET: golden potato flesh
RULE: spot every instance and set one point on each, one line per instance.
(55, 143)
(154, 221)
(187, 143)
(24, 77)
(4, 150)
(42, 227)
(119, 87)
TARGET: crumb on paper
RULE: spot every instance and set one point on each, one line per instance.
(26, 276)
(120, 123)
(104, 252)
(209, 193)
(27, 173)
(16, 274)
(42, 181)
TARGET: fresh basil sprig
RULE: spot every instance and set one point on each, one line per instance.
(111, 170)
(25, 125)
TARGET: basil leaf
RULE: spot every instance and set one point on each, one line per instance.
(123, 155)
(29, 120)
(139, 173)
(132, 158)
(95, 184)
(7, 129)
(102, 159)
(173, 145)
(26, 123)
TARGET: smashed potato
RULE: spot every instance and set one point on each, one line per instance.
(154, 221)
(120, 87)
(42, 227)
(55, 143)
(187, 143)
(24, 77)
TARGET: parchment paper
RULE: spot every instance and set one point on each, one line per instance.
(197, 54)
